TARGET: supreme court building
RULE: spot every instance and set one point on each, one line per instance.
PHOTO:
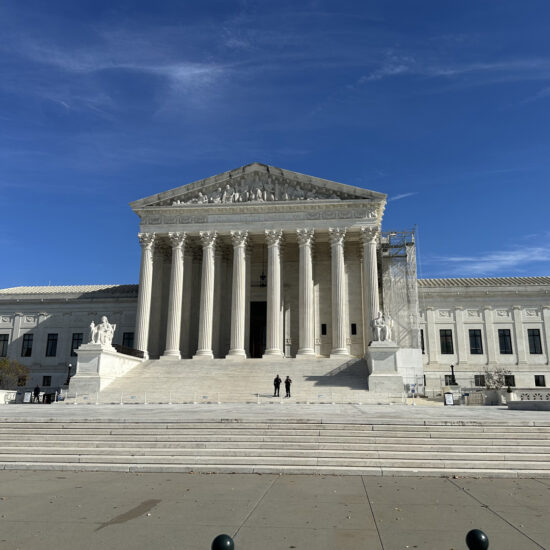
(261, 262)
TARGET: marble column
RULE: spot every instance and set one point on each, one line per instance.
(273, 336)
(305, 291)
(208, 240)
(338, 275)
(546, 332)
(371, 305)
(146, 240)
(173, 324)
(238, 301)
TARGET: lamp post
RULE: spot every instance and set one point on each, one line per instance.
(453, 379)
(68, 381)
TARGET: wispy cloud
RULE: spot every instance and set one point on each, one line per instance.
(541, 94)
(515, 260)
(402, 196)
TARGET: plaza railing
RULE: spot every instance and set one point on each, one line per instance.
(219, 397)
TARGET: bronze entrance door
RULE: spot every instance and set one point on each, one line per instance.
(258, 320)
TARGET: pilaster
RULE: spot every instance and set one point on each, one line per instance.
(461, 337)
(490, 336)
(520, 336)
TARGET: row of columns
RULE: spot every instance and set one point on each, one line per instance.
(274, 238)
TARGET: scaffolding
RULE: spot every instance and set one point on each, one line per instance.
(399, 286)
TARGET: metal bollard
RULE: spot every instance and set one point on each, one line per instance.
(223, 542)
(476, 540)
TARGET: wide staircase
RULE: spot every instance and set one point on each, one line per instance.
(406, 447)
(245, 381)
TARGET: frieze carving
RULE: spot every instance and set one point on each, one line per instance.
(444, 313)
(252, 188)
(502, 313)
(5, 319)
(531, 312)
(473, 313)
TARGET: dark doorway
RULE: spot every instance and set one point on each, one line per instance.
(258, 320)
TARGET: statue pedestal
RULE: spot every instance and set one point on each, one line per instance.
(382, 365)
(97, 366)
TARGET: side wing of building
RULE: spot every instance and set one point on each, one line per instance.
(483, 324)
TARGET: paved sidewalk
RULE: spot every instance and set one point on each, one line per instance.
(286, 411)
(89, 510)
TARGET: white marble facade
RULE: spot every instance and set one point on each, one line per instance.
(258, 261)
(265, 262)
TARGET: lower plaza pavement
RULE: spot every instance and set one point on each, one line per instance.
(170, 510)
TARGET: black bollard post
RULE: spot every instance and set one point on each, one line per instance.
(223, 542)
(477, 540)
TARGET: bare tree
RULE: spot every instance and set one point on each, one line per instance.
(12, 374)
(495, 378)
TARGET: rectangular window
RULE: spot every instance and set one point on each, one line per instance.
(476, 346)
(323, 329)
(422, 341)
(128, 339)
(46, 381)
(479, 380)
(4, 345)
(26, 348)
(509, 380)
(77, 342)
(446, 338)
(540, 380)
(51, 345)
(535, 347)
(505, 341)
(353, 329)
(448, 380)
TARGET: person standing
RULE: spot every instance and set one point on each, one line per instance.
(276, 385)
(288, 381)
(36, 394)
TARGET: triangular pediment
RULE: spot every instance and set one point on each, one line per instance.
(257, 183)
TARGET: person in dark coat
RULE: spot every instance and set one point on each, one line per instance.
(276, 385)
(36, 394)
(288, 381)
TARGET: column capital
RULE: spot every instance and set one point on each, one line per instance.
(274, 237)
(177, 240)
(336, 235)
(208, 238)
(239, 238)
(305, 236)
(146, 240)
(369, 235)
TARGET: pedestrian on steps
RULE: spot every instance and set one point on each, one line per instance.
(276, 385)
(288, 381)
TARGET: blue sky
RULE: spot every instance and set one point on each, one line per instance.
(442, 105)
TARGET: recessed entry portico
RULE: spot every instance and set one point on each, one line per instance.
(258, 262)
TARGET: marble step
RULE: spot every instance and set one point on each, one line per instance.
(253, 453)
(164, 446)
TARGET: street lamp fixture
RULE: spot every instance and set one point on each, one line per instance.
(67, 382)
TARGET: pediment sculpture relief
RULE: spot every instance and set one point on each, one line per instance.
(256, 190)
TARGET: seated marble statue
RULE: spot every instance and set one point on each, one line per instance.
(381, 328)
(102, 333)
